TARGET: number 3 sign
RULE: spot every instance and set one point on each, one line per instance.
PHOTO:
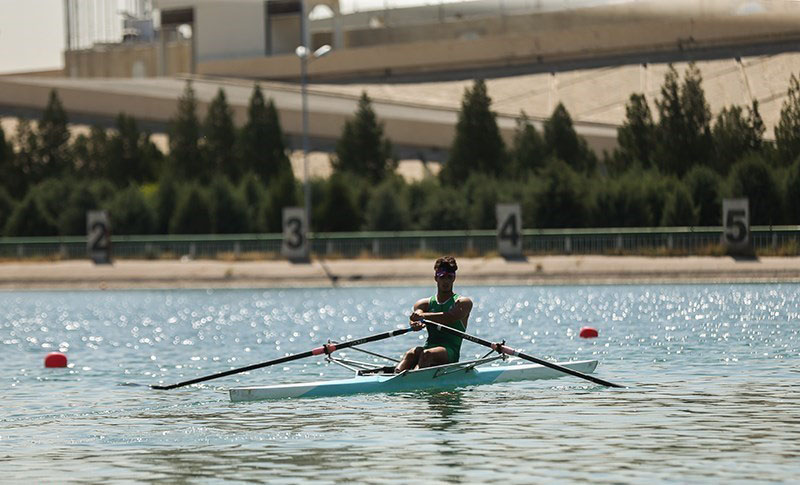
(295, 243)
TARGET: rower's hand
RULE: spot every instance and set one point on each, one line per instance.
(416, 320)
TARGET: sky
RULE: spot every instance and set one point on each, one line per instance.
(31, 35)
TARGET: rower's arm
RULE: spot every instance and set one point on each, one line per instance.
(460, 311)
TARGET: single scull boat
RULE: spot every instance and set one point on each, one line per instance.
(459, 374)
(370, 378)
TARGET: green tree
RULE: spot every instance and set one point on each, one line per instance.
(27, 167)
(562, 201)
(71, 221)
(753, 178)
(166, 201)
(11, 178)
(6, 208)
(529, 151)
(53, 157)
(418, 194)
(30, 218)
(705, 187)
(362, 148)
(53, 193)
(482, 195)
(636, 137)
(103, 191)
(261, 142)
(387, 209)
(477, 146)
(91, 153)
(192, 213)
(130, 213)
(228, 209)
(337, 209)
(256, 202)
(621, 202)
(792, 194)
(444, 209)
(281, 192)
(787, 131)
(563, 142)
(735, 135)
(220, 138)
(132, 157)
(186, 160)
(6, 150)
(684, 126)
(680, 209)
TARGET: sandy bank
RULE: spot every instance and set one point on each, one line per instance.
(476, 271)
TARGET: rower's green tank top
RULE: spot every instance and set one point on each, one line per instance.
(438, 338)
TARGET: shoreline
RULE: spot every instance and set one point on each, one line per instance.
(533, 270)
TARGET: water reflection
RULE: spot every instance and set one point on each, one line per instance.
(713, 398)
(445, 406)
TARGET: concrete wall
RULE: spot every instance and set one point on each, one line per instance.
(128, 60)
(553, 38)
(284, 34)
(155, 101)
(234, 28)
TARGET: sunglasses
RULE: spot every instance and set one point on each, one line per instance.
(440, 274)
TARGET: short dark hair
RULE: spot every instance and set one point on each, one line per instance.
(447, 263)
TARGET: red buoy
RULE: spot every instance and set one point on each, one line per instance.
(588, 332)
(55, 359)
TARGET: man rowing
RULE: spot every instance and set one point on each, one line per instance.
(444, 307)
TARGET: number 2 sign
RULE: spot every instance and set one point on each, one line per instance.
(98, 237)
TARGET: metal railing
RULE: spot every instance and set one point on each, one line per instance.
(670, 240)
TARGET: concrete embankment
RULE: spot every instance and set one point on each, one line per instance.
(543, 270)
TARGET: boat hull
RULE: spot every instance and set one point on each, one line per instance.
(441, 377)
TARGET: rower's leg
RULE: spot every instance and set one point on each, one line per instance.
(409, 360)
(433, 356)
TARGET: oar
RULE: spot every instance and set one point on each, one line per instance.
(508, 350)
(324, 349)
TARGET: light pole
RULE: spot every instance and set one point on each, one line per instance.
(303, 53)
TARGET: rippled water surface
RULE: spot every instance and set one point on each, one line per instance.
(712, 374)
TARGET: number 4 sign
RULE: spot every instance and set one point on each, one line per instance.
(509, 230)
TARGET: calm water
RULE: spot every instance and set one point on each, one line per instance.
(713, 375)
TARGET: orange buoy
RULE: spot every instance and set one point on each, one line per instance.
(588, 332)
(55, 359)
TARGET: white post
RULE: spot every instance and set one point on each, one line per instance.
(304, 95)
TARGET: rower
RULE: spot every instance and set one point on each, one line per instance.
(444, 307)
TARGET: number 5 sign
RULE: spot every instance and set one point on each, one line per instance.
(509, 230)
(736, 224)
(295, 243)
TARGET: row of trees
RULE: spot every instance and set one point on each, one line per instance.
(217, 178)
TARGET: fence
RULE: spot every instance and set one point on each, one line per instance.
(676, 240)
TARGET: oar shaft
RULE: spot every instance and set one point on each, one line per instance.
(508, 350)
(323, 349)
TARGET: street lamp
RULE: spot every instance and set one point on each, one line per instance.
(303, 53)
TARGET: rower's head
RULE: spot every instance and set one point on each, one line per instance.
(445, 271)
